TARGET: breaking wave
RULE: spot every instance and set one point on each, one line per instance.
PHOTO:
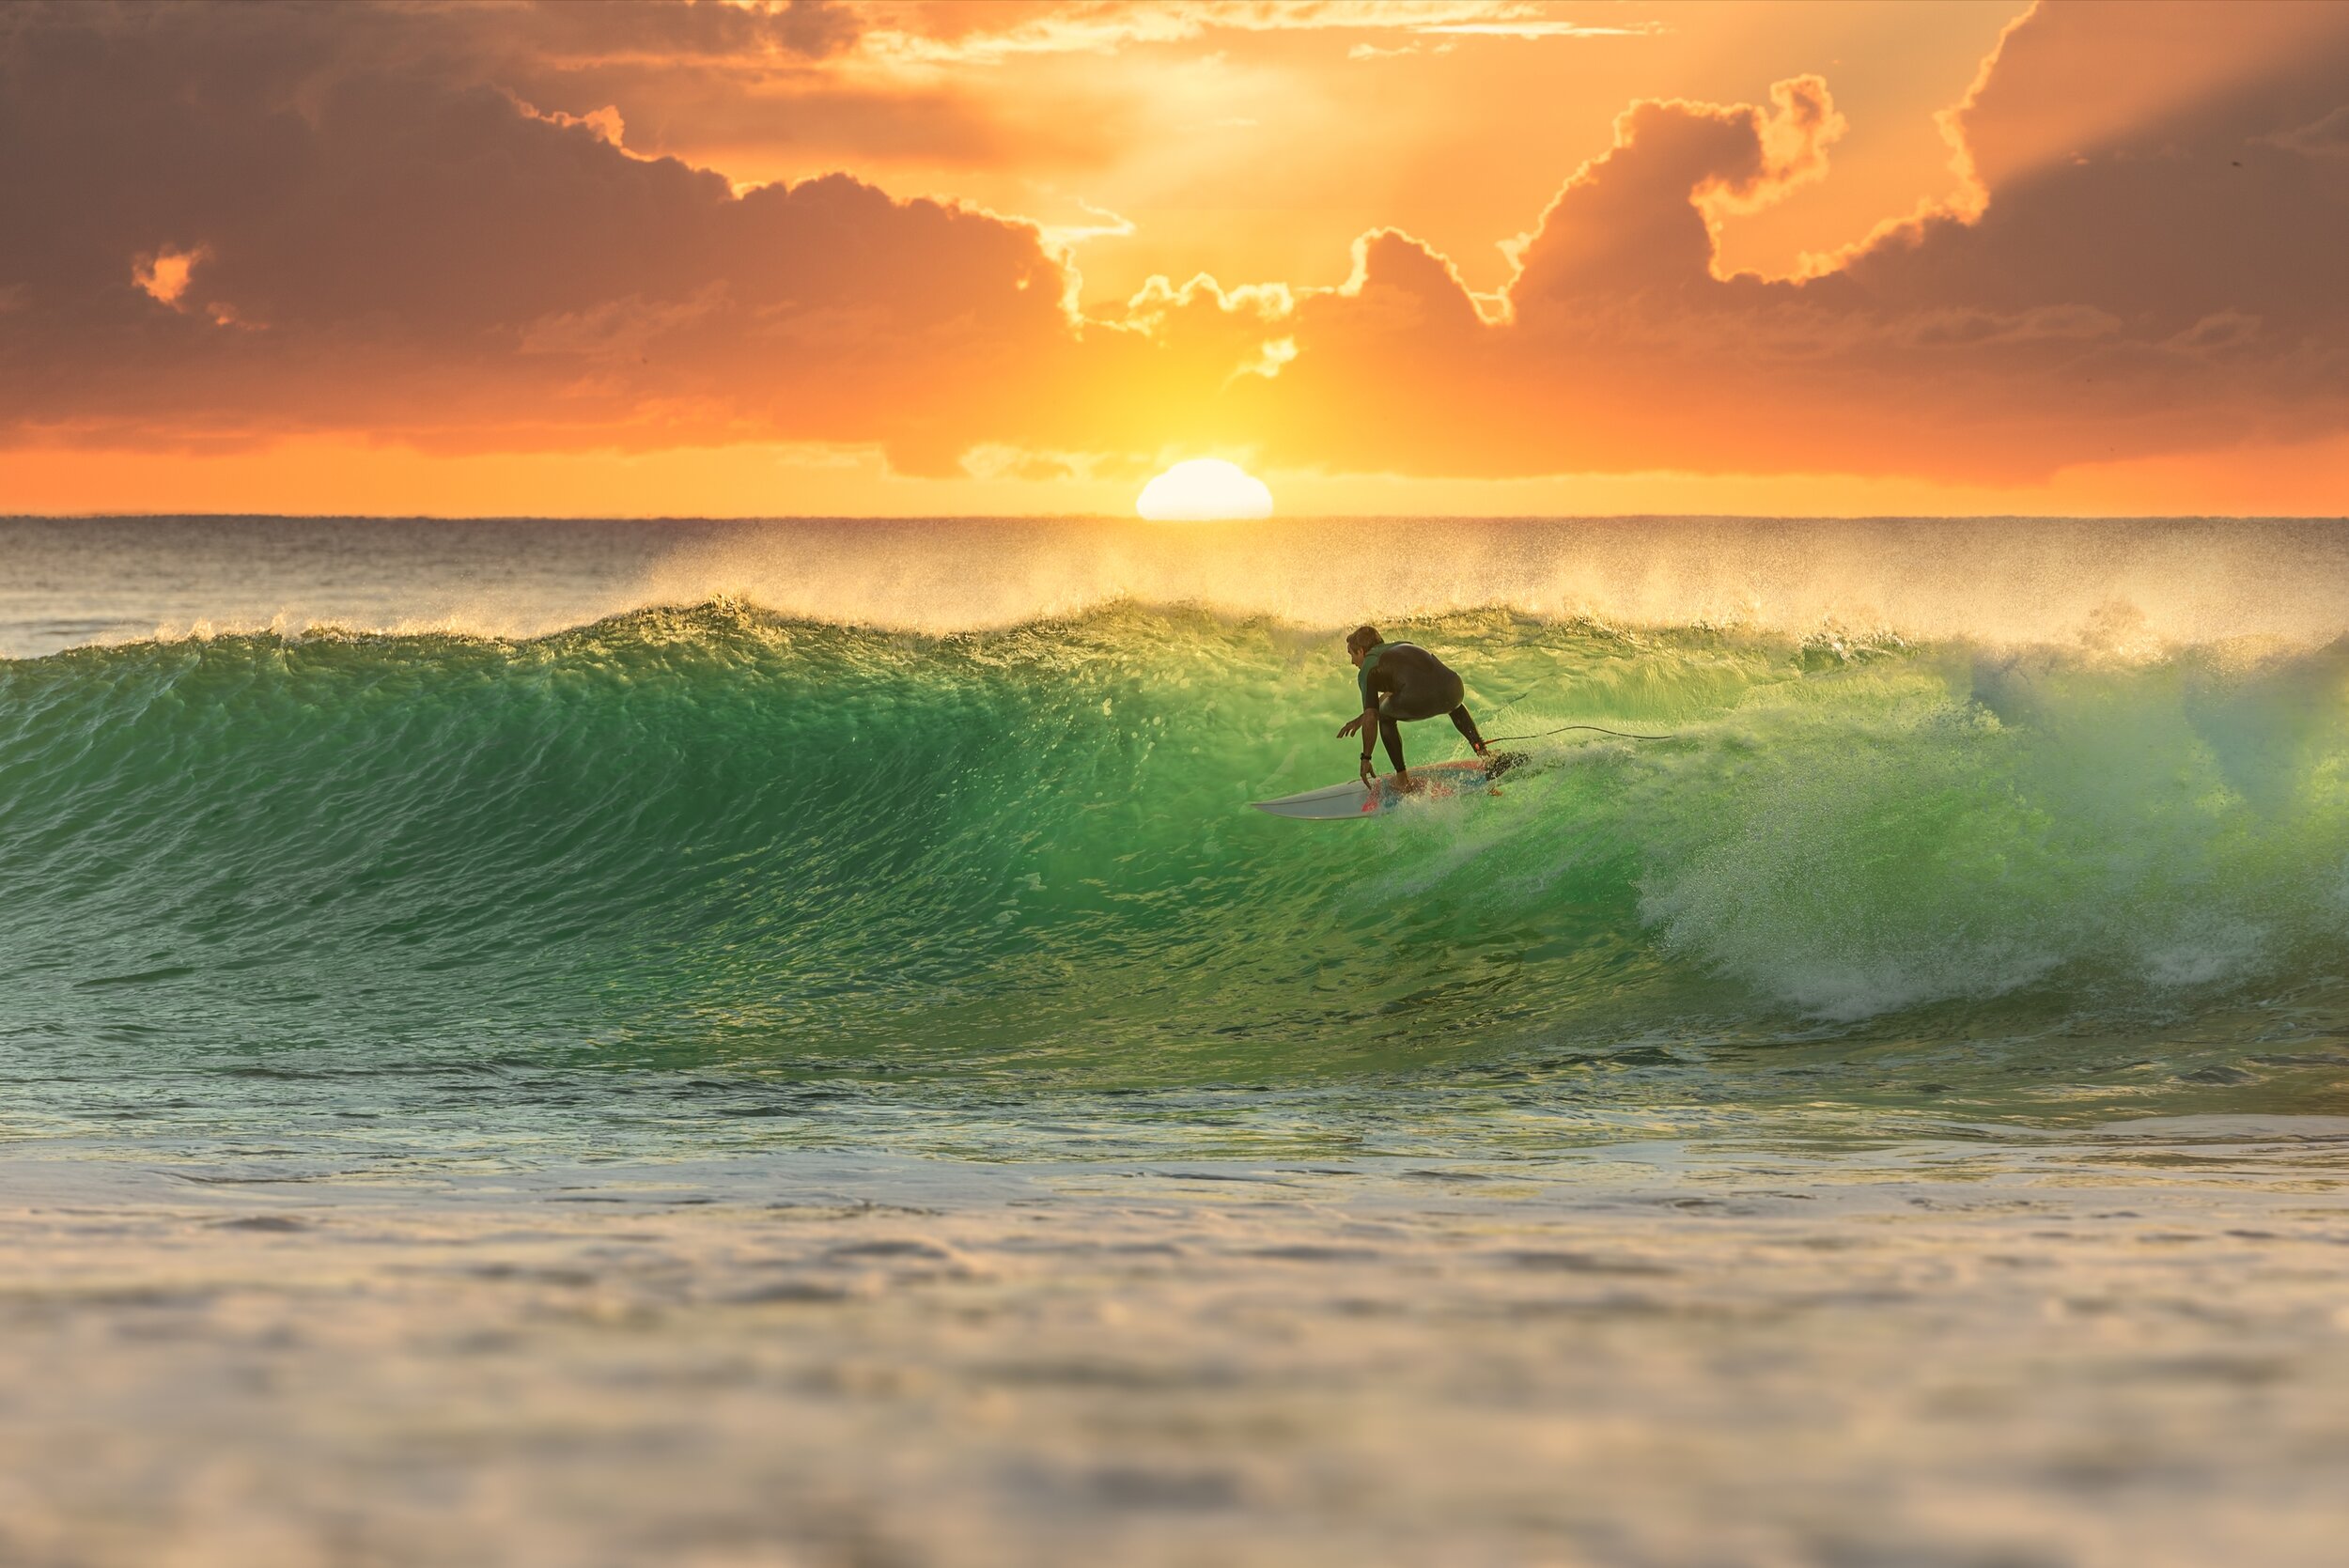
(717, 836)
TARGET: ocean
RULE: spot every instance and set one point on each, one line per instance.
(579, 1042)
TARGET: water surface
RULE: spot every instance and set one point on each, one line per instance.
(1919, 1076)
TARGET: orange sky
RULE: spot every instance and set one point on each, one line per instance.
(1496, 256)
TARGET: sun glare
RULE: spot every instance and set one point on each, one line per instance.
(1204, 489)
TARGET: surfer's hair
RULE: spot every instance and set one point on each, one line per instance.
(1364, 636)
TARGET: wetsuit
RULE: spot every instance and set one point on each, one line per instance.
(1404, 681)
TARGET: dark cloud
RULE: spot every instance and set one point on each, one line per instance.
(387, 248)
(1640, 219)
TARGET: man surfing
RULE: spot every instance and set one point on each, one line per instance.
(1400, 682)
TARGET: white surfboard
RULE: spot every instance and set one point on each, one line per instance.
(1434, 782)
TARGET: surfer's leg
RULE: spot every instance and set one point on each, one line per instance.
(1466, 726)
(1391, 734)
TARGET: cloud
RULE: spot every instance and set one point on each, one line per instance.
(437, 262)
(1538, 27)
(2125, 285)
(577, 37)
(1104, 225)
(2139, 256)
(166, 273)
(1408, 46)
(784, 78)
(957, 33)
(1647, 212)
(2071, 81)
(2325, 137)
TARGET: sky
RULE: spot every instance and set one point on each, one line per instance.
(1393, 256)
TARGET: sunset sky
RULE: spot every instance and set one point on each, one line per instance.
(1392, 256)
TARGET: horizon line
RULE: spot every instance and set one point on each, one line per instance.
(102, 516)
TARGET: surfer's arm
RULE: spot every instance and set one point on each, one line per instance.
(1365, 724)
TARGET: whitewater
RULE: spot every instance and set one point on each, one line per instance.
(487, 977)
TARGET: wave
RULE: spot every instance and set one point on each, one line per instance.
(2131, 585)
(718, 835)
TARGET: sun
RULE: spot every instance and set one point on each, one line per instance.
(1204, 489)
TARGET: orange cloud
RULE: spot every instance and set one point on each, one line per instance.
(958, 31)
(165, 273)
(463, 257)
(2167, 287)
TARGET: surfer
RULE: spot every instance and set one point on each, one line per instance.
(1402, 681)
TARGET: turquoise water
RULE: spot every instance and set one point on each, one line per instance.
(706, 873)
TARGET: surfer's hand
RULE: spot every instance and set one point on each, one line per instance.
(1369, 779)
(1353, 726)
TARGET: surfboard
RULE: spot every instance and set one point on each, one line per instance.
(1438, 780)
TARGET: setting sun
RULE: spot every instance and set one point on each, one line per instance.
(1204, 489)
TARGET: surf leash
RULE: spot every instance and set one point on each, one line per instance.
(1538, 735)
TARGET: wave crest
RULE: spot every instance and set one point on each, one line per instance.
(729, 834)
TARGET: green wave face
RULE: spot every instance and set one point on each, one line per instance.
(713, 847)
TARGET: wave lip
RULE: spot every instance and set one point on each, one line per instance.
(2133, 586)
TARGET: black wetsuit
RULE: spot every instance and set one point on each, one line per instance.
(1404, 682)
